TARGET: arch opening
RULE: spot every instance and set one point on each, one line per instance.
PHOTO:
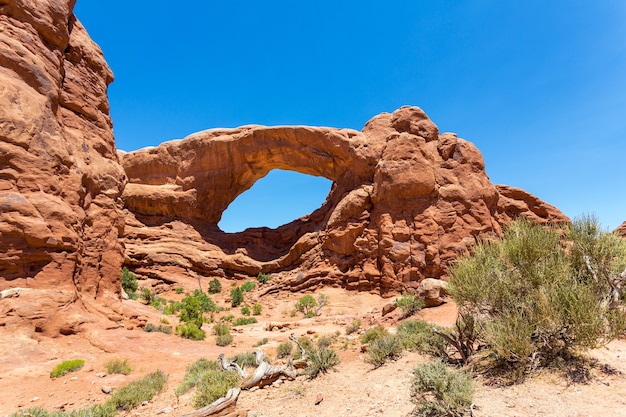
(274, 200)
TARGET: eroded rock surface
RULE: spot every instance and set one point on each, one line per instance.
(621, 230)
(405, 202)
(60, 180)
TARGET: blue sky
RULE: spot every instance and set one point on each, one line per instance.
(538, 86)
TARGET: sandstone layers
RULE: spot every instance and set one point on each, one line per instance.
(405, 202)
(60, 180)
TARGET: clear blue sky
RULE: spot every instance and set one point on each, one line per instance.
(538, 86)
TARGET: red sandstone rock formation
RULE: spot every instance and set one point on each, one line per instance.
(60, 179)
(405, 202)
(621, 230)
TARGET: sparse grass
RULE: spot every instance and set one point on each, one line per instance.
(284, 349)
(244, 359)
(409, 304)
(374, 333)
(149, 327)
(222, 332)
(263, 278)
(248, 286)
(179, 290)
(213, 385)
(321, 360)
(261, 342)
(66, 367)
(383, 349)
(243, 321)
(194, 373)
(133, 394)
(440, 391)
(118, 366)
(190, 331)
(224, 340)
(420, 336)
(353, 327)
(256, 309)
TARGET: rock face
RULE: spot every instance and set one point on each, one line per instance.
(60, 180)
(621, 230)
(405, 202)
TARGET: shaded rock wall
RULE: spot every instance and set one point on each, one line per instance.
(60, 180)
(405, 202)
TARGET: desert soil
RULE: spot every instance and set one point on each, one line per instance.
(353, 389)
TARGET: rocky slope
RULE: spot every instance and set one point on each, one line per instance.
(621, 230)
(60, 180)
(405, 202)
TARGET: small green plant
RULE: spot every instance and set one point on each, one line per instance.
(190, 331)
(321, 360)
(224, 340)
(353, 327)
(215, 286)
(256, 309)
(164, 320)
(236, 296)
(263, 278)
(228, 318)
(222, 333)
(374, 333)
(261, 342)
(306, 305)
(147, 295)
(149, 327)
(244, 359)
(212, 385)
(129, 283)
(179, 290)
(194, 373)
(409, 304)
(118, 366)
(440, 391)
(420, 336)
(325, 341)
(243, 321)
(132, 395)
(245, 310)
(66, 367)
(284, 349)
(383, 349)
(248, 286)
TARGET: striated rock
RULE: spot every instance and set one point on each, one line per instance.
(621, 230)
(405, 202)
(60, 180)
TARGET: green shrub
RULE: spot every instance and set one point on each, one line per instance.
(420, 336)
(149, 327)
(245, 310)
(236, 295)
(221, 328)
(256, 309)
(66, 367)
(248, 286)
(214, 385)
(261, 342)
(409, 304)
(190, 331)
(533, 298)
(284, 349)
(325, 341)
(96, 410)
(353, 327)
(132, 395)
(244, 359)
(118, 366)
(179, 290)
(321, 359)
(129, 283)
(306, 305)
(215, 286)
(306, 344)
(229, 318)
(383, 349)
(438, 391)
(263, 278)
(147, 295)
(194, 373)
(224, 339)
(243, 321)
(374, 333)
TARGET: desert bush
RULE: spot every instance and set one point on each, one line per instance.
(222, 333)
(353, 327)
(147, 295)
(243, 321)
(66, 367)
(149, 327)
(532, 297)
(248, 286)
(321, 360)
(420, 336)
(224, 339)
(263, 278)
(245, 310)
(129, 283)
(306, 344)
(439, 391)
(215, 286)
(284, 349)
(190, 331)
(409, 304)
(261, 342)
(374, 333)
(306, 305)
(325, 341)
(229, 318)
(179, 290)
(244, 359)
(118, 366)
(383, 349)
(194, 373)
(212, 385)
(236, 296)
(256, 309)
(132, 395)
(96, 410)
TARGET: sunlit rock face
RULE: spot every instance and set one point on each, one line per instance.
(60, 180)
(405, 202)
(621, 230)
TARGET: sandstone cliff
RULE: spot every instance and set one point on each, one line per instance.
(621, 230)
(405, 202)
(60, 180)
